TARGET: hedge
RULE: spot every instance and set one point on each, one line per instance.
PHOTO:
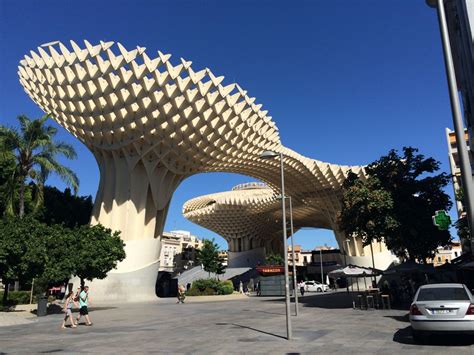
(22, 297)
(208, 287)
(18, 297)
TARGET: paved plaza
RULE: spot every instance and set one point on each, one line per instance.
(242, 324)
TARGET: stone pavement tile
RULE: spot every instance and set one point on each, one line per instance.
(14, 318)
(251, 326)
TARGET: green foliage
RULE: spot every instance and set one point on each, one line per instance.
(193, 292)
(60, 256)
(35, 154)
(18, 297)
(7, 179)
(208, 287)
(367, 209)
(274, 259)
(462, 225)
(65, 208)
(30, 249)
(202, 284)
(396, 204)
(208, 256)
(463, 233)
(97, 251)
(22, 248)
(225, 288)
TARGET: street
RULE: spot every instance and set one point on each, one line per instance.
(243, 325)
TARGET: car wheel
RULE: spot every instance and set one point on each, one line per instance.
(418, 336)
(319, 289)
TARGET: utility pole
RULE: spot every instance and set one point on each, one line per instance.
(321, 262)
(465, 164)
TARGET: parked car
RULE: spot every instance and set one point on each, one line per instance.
(315, 286)
(442, 308)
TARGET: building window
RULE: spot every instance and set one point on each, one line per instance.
(455, 254)
(439, 259)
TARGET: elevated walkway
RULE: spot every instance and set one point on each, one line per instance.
(198, 273)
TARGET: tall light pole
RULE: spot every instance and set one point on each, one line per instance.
(347, 248)
(270, 155)
(293, 256)
(321, 263)
(345, 261)
(465, 165)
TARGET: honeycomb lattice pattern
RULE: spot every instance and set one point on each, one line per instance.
(151, 123)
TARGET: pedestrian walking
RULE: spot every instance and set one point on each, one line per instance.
(83, 304)
(181, 294)
(241, 287)
(76, 296)
(301, 285)
(68, 310)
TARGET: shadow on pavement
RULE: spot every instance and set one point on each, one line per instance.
(254, 329)
(326, 300)
(404, 336)
(331, 300)
(58, 309)
(405, 318)
(267, 312)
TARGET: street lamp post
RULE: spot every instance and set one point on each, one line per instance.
(465, 165)
(321, 263)
(345, 261)
(270, 155)
(293, 256)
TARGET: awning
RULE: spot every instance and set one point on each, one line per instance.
(354, 271)
(469, 266)
(410, 267)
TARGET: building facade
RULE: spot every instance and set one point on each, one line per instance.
(302, 257)
(178, 251)
(456, 174)
(460, 18)
(455, 167)
(224, 256)
(446, 254)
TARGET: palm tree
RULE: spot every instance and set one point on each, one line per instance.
(35, 152)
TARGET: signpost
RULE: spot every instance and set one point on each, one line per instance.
(441, 220)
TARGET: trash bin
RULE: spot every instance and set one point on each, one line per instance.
(42, 306)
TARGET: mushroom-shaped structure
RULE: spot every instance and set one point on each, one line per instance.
(150, 124)
(249, 218)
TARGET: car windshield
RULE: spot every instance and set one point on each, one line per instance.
(443, 294)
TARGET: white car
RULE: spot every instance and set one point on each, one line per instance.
(440, 308)
(315, 286)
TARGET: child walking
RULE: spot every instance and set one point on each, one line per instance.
(68, 310)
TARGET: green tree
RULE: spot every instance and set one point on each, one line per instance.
(65, 208)
(35, 151)
(396, 203)
(462, 225)
(274, 259)
(31, 249)
(463, 233)
(60, 248)
(208, 256)
(22, 250)
(7, 181)
(98, 251)
(220, 267)
(367, 209)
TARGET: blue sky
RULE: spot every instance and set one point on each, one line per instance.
(345, 81)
